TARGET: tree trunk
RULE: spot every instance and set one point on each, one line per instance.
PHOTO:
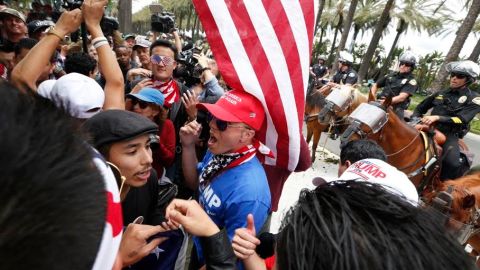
(377, 34)
(347, 24)
(332, 49)
(194, 37)
(386, 65)
(125, 15)
(321, 5)
(475, 53)
(189, 19)
(180, 19)
(356, 30)
(462, 34)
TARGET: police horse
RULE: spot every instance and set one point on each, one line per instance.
(327, 108)
(415, 153)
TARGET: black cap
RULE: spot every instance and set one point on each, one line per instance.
(117, 125)
(36, 25)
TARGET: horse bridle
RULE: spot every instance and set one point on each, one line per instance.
(442, 203)
(355, 126)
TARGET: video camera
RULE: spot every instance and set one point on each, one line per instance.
(189, 69)
(108, 24)
(163, 22)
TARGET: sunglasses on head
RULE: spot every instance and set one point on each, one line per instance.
(405, 64)
(157, 59)
(458, 75)
(142, 104)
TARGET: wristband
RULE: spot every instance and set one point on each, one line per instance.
(100, 44)
(101, 38)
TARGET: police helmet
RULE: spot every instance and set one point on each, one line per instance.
(409, 58)
(322, 57)
(467, 68)
(345, 57)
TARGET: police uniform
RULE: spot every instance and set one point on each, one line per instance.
(456, 109)
(396, 83)
(319, 70)
(348, 76)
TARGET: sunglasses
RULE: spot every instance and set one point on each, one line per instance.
(405, 64)
(458, 75)
(157, 59)
(222, 125)
(142, 104)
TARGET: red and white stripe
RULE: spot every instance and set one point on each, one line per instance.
(264, 47)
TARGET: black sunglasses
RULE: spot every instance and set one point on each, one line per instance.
(458, 75)
(406, 64)
(222, 125)
(142, 104)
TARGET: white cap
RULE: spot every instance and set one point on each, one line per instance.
(345, 57)
(80, 95)
(142, 42)
(380, 172)
(45, 88)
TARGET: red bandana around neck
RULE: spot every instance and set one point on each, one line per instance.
(230, 160)
(170, 90)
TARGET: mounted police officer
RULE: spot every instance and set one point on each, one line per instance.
(400, 85)
(345, 74)
(319, 70)
(453, 109)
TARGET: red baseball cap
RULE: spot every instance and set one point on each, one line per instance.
(238, 107)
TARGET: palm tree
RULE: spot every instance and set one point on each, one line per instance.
(457, 45)
(365, 18)
(338, 11)
(415, 14)
(346, 30)
(377, 34)
(476, 50)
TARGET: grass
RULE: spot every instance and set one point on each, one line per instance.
(417, 98)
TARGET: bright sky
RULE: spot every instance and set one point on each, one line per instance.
(139, 4)
(420, 43)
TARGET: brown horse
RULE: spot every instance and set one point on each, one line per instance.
(463, 214)
(314, 105)
(409, 150)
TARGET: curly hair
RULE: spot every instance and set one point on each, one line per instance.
(359, 225)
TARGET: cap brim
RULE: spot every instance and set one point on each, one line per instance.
(219, 112)
(140, 97)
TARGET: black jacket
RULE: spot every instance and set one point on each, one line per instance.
(218, 252)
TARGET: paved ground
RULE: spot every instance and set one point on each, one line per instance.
(298, 181)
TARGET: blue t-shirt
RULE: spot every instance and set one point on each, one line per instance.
(232, 195)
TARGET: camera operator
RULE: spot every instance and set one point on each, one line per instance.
(207, 91)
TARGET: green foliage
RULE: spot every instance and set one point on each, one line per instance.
(427, 69)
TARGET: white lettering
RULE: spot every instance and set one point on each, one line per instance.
(215, 201)
(207, 194)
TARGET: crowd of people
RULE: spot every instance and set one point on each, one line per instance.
(121, 155)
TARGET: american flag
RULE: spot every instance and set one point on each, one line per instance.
(264, 47)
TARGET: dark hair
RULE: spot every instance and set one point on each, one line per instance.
(80, 62)
(360, 225)
(25, 43)
(361, 149)
(53, 207)
(166, 44)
